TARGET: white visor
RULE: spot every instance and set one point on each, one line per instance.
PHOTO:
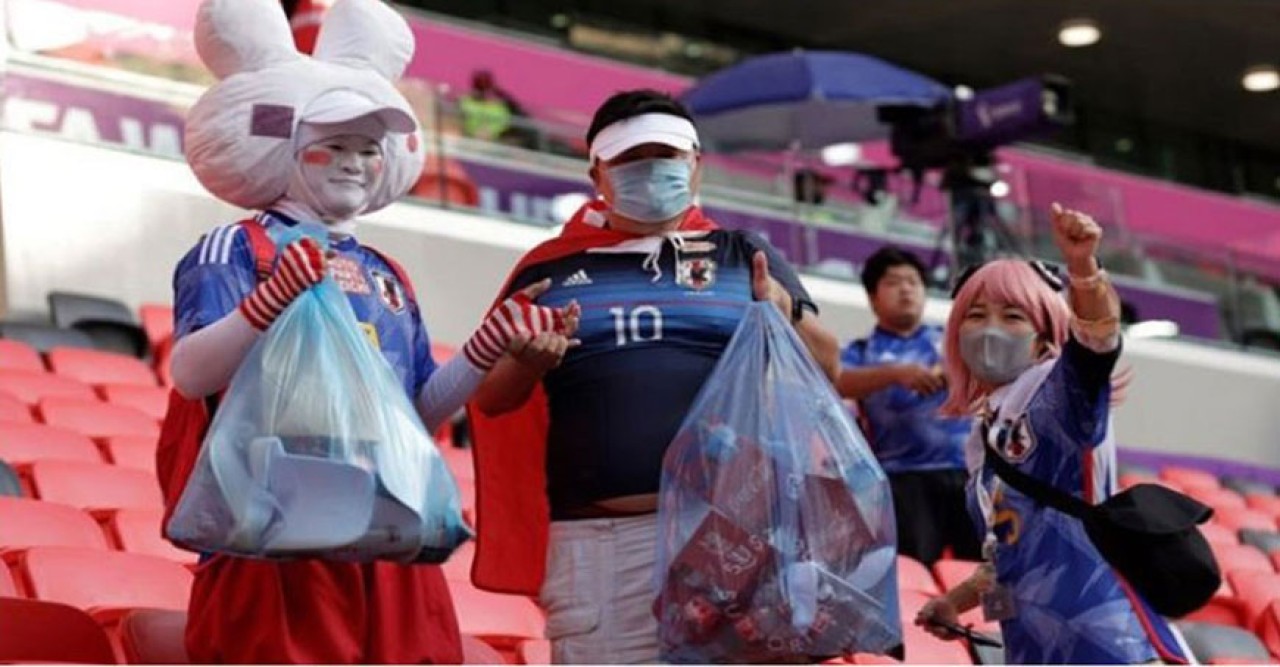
(650, 128)
(340, 106)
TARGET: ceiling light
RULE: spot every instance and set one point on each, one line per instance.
(999, 189)
(1153, 329)
(841, 155)
(963, 92)
(1261, 79)
(1079, 32)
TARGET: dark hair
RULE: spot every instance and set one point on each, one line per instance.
(884, 259)
(631, 103)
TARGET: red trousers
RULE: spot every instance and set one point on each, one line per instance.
(313, 611)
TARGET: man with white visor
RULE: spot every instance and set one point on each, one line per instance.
(570, 435)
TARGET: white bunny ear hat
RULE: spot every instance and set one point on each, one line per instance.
(241, 134)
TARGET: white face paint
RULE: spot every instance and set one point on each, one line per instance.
(338, 175)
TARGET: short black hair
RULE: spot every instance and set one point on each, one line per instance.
(631, 103)
(884, 259)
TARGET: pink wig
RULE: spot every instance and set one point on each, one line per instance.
(1011, 282)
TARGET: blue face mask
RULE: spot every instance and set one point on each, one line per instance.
(654, 190)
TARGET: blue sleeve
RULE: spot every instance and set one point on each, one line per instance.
(212, 279)
(855, 354)
(423, 363)
(782, 271)
(1082, 381)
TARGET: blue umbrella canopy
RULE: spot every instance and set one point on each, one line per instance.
(806, 98)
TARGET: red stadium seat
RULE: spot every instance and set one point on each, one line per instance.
(40, 631)
(137, 531)
(458, 567)
(14, 411)
(7, 587)
(914, 576)
(90, 580)
(873, 659)
(1220, 609)
(24, 443)
(98, 367)
(131, 451)
(96, 419)
(17, 355)
(1218, 498)
(93, 486)
(1240, 557)
(476, 652)
(30, 387)
(157, 322)
(534, 652)
(153, 637)
(460, 462)
(501, 620)
(924, 648)
(1189, 478)
(1255, 590)
(951, 573)
(32, 523)
(151, 400)
(1265, 503)
(1236, 518)
(1216, 533)
(1268, 627)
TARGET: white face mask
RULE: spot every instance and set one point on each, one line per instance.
(336, 177)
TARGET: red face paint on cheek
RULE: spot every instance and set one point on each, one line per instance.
(375, 166)
(317, 157)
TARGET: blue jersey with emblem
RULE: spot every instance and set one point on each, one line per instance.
(1069, 606)
(904, 429)
(219, 272)
(655, 319)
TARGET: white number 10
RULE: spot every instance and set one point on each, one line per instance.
(653, 326)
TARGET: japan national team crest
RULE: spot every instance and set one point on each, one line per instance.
(699, 273)
(1014, 440)
(389, 290)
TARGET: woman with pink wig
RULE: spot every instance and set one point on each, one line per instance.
(1035, 369)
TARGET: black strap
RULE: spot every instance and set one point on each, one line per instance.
(1035, 489)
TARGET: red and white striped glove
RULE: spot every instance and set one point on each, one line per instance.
(301, 265)
(516, 316)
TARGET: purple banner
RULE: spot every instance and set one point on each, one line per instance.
(95, 116)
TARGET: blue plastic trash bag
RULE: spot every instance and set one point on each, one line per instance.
(776, 528)
(315, 451)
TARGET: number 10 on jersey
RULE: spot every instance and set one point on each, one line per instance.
(643, 324)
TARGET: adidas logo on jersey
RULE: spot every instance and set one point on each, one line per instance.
(578, 279)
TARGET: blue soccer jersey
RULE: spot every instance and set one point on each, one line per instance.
(904, 429)
(1069, 605)
(654, 322)
(218, 273)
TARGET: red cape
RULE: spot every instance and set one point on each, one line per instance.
(513, 515)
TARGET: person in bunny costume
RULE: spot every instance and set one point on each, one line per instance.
(316, 141)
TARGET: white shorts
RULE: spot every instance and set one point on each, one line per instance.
(599, 591)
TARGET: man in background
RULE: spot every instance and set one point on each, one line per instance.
(895, 375)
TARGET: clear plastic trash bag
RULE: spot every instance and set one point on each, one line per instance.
(776, 529)
(315, 451)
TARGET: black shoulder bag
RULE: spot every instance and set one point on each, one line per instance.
(1147, 533)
